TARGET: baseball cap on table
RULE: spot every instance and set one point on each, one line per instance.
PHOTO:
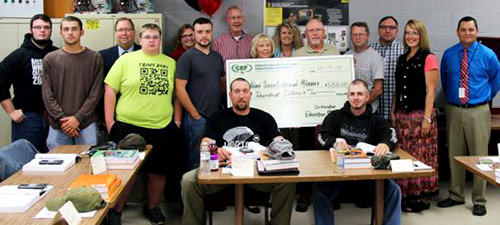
(85, 199)
(280, 149)
(132, 141)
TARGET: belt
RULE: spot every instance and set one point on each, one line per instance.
(468, 105)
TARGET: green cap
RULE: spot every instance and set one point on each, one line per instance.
(132, 141)
(85, 199)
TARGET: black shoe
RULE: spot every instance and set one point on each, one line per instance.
(114, 217)
(253, 209)
(415, 206)
(479, 210)
(449, 203)
(303, 203)
(364, 204)
(154, 215)
(335, 205)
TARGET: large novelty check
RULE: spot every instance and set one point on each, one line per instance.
(297, 92)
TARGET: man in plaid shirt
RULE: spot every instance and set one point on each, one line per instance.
(390, 50)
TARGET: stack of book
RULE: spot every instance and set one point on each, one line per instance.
(497, 175)
(119, 159)
(278, 166)
(13, 199)
(106, 184)
(50, 162)
(357, 159)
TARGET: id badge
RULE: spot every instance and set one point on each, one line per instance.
(461, 92)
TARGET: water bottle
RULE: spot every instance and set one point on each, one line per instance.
(214, 156)
(339, 155)
(204, 159)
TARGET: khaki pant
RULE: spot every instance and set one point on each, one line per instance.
(467, 129)
(192, 196)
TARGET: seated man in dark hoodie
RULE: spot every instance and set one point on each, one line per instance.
(355, 123)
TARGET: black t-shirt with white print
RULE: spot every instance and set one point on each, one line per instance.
(230, 129)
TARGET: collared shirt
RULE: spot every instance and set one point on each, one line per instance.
(308, 51)
(390, 53)
(484, 73)
(121, 50)
(230, 48)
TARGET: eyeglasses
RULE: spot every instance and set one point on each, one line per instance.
(414, 34)
(187, 35)
(155, 37)
(359, 35)
(42, 27)
(387, 27)
(124, 29)
(314, 30)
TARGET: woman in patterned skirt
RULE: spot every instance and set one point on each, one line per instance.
(413, 113)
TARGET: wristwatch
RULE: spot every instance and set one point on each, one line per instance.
(428, 119)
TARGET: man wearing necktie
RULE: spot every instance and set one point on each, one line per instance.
(470, 76)
(124, 37)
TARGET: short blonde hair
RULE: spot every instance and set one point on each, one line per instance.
(422, 31)
(257, 39)
(150, 26)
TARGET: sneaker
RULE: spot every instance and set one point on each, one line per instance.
(114, 217)
(154, 215)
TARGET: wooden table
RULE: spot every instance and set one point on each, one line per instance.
(315, 166)
(61, 182)
(495, 122)
(469, 163)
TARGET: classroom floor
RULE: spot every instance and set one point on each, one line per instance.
(348, 214)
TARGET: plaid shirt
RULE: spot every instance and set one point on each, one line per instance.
(390, 54)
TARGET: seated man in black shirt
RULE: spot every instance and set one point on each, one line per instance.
(355, 123)
(233, 125)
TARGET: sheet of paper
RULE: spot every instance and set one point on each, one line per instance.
(243, 167)
(421, 166)
(402, 165)
(484, 167)
(142, 155)
(70, 214)
(98, 164)
(46, 214)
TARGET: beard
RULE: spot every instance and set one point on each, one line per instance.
(204, 45)
(241, 106)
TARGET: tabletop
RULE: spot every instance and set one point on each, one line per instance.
(315, 166)
(61, 182)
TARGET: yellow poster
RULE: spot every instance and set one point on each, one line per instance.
(92, 24)
(274, 16)
(344, 1)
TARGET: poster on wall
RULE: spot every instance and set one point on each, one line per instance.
(330, 12)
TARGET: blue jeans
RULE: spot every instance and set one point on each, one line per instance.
(33, 128)
(194, 130)
(88, 136)
(13, 156)
(325, 192)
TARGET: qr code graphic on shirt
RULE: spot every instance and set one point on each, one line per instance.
(154, 81)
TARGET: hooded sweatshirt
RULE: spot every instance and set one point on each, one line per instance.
(23, 69)
(367, 127)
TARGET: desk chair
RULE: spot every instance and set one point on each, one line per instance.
(226, 198)
(14, 155)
